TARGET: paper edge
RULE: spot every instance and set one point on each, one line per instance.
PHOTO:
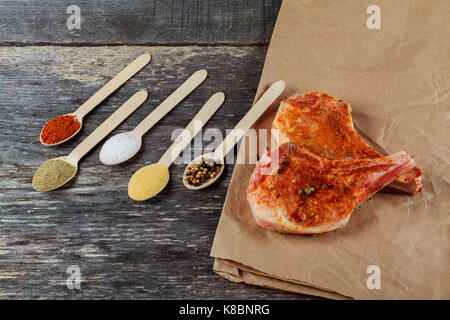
(237, 272)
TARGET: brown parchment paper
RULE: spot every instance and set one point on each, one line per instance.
(397, 80)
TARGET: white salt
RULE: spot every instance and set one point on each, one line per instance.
(119, 148)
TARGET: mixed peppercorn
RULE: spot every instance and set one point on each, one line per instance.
(201, 172)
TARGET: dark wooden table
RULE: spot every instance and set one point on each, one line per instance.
(124, 249)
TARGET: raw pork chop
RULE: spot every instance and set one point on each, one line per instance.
(311, 194)
(323, 124)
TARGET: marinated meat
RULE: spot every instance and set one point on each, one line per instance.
(323, 124)
(293, 190)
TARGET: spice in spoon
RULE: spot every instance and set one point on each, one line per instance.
(60, 129)
(119, 148)
(148, 181)
(52, 174)
(201, 172)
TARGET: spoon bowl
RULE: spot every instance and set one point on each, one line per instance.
(78, 117)
(210, 181)
(110, 143)
(65, 159)
(148, 181)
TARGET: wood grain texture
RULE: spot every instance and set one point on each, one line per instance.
(141, 22)
(154, 249)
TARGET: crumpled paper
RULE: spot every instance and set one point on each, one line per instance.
(397, 80)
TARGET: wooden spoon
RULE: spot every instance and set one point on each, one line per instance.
(238, 132)
(122, 77)
(100, 133)
(175, 98)
(169, 156)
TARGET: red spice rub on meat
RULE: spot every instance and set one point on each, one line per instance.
(323, 124)
(295, 191)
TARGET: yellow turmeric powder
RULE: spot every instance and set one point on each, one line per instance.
(148, 181)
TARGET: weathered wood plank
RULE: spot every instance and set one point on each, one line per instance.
(139, 22)
(155, 249)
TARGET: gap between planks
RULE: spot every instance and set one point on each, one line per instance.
(141, 44)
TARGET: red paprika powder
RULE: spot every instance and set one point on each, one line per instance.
(59, 129)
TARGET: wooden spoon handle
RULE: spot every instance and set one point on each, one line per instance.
(250, 118)
(122, 77)
(107, 126)
(193, 128)
(175, 98)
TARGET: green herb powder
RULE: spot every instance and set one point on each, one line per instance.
(52, 174)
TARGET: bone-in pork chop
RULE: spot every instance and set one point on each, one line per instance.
(323, 124)
(295, 191)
